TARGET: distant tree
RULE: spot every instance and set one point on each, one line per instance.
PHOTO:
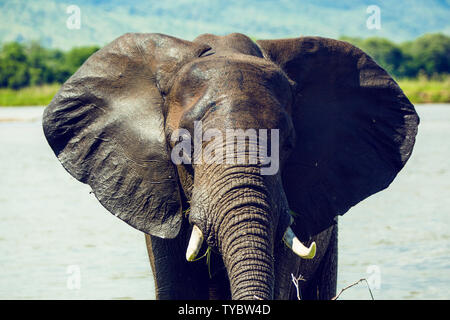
(76, 57)
(32, 64)
(386, 53)
(429, 54)
(14, 71)
(37, 57)
(59, 71)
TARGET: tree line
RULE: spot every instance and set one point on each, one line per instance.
(30, 64)
(428, 55)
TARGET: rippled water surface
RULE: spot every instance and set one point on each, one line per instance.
(58, 242)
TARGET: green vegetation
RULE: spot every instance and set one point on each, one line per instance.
(31, 74)
(23, 65)
(428, 55)
(29, 96)
(425, 90)
(421, 67)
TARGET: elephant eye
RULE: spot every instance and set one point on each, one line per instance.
(206, 52)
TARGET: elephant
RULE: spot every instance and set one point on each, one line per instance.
(342, 129)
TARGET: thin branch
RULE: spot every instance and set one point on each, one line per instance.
(295, 281)
(354, 284)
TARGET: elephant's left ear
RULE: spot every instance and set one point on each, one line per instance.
(355, 129)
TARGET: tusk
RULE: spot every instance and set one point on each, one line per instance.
(299, 248)
(195, 243)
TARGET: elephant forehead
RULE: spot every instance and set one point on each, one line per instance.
(226, 65)
(233, 76)
(231, 87)
(241, 90)
(234, 42)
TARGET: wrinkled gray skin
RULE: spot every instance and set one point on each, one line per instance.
(346, 129)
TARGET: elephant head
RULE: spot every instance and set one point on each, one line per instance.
(343, 130)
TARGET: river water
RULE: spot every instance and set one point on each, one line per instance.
(58, 242)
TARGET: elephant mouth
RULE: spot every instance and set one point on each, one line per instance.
(289, 238)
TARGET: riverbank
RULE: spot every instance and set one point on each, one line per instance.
(28, 96)
(423, 90)
(419, 90)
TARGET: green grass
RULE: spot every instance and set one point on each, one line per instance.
(423, 90)
(418, 90)
(29, 96)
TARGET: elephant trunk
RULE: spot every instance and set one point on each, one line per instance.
(245, 229)
(247, 252)
(238, 219)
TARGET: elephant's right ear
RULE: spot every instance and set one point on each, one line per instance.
(106, 126)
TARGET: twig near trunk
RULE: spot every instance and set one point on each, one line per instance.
(295, 281)
(300, 278)
(353, 284)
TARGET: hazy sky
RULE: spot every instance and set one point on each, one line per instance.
(66, 24)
